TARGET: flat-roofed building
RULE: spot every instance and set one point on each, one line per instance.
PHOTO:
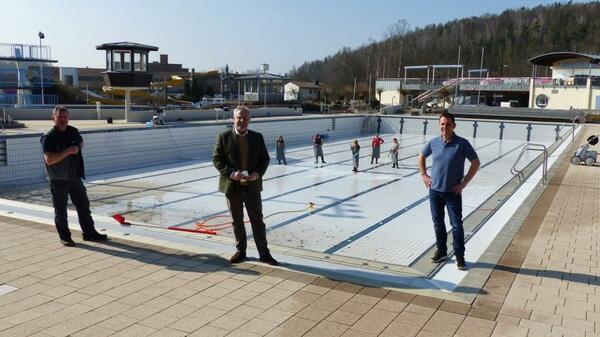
(575, 82)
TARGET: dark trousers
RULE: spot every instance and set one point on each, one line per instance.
(61, 190)
(453, 202)
(253, 202)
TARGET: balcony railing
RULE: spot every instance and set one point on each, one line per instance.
(25, 51)
(15, 100)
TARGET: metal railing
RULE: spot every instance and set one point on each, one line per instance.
(532, 147)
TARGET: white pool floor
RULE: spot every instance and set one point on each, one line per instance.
(380, 214)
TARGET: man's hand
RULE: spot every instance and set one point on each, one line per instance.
(236, 176)
(73, 150)
(458, 188)
(253, 176)
(427, 180)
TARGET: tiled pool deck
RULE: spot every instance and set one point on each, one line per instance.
(544, 285)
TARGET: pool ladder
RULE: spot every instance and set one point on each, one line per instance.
(532, 147)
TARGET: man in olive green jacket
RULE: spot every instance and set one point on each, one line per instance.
(242, 159)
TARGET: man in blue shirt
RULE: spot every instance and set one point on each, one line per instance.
(446, 184)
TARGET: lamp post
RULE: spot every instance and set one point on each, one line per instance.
(41, 36)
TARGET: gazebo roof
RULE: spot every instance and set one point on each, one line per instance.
(126, 46)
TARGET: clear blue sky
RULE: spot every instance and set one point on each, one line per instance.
(208, 34)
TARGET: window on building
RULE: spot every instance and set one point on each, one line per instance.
(122, 60)
(541, 101)
(139, 62)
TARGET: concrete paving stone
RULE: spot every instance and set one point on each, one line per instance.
(258, 326)
(33, 313)
(313, 314)
(374, 321)
(473, 331)
(565, 331)
(439, 328)
(546, 318)
(247, 295)
(246, 312)
(275, 315)
(411, 318)
(291, 305)
(338, 295)
(483, 314)
(425, 301)
(343, 317)
(541, 306)
(295, 326)
(291, 285)
(136, 330)
(571, 312)
(141, 312)
(326, 304)
(327, 329)
(197, 319)
(225, 303)
(241, 333)
(257, 286)
(578, 324)
(319, 290)
(94, 331)
(228, 322)
(180, 310)
(534, 325)
(25, 329)
(168, 332)
(98, 300)
(263, 303)
(511, 330)
(270, 279)
(117, 323)
(448, 306)
(198, 285)
(199, 300)
(356, 307)
(181, 293)
(159, 320)
(76, 324)
(398, 329)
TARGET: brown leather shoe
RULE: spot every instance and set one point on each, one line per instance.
(238, 257)
(268, 259)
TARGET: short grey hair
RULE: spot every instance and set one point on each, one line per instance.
(58, 109)
(240, 108)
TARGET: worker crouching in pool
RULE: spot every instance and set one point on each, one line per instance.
(242, 159)
(64, 165)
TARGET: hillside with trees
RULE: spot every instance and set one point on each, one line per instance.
(509, 40)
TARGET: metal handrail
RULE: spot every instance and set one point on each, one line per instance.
(573, 128)
(532, 147)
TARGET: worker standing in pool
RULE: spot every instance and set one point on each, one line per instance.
(376, 148)
(446, 183)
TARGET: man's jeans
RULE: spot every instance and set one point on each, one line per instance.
(453, 202)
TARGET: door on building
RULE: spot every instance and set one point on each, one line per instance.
(597, 103)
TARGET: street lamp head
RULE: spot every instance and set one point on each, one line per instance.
(41, 35)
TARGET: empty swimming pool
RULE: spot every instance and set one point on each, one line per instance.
(376, 219)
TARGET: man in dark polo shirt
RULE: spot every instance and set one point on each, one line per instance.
(242, 159)
(64, 164)
(446, 184)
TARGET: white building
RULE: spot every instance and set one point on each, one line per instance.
(575, 82)
(301, 91)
